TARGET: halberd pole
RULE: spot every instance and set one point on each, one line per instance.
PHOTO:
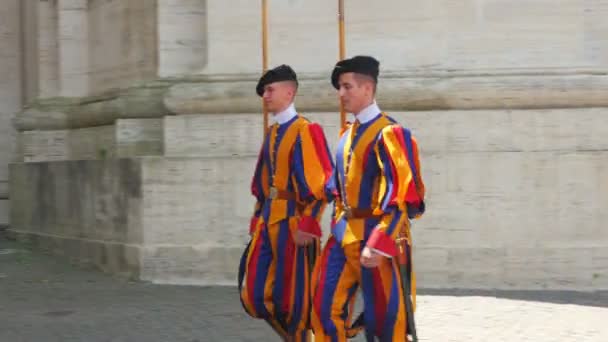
(342, 52)
(265, 54)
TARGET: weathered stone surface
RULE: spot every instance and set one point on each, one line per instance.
(89, 200)
(120, 63)
(84, 143)
(436, 36)
(7, 144)
(4, 188)
(408, 92)
(206, 135)
(144, 101)
(182, 36)
(92, 143)
(35, 118)
(514, 199)
(10, 93)
(91, 59)
(48, 50)
(4, 212)
(116, 258)
(191, 264)
(127, 138)
(139, 137)
(72, 38)
(45, 145)
(202, 200)
(517, 182)
(401, 93)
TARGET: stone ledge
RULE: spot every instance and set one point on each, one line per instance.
(465, 91)
(144, 101)
(512, 89)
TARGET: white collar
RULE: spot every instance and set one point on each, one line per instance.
(368, 113)
(286, 115)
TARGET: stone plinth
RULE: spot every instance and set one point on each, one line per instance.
(516, 199)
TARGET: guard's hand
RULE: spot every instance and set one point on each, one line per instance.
(369, 258)
(303, 239)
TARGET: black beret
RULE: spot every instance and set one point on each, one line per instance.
(365, 65)
(278, 74)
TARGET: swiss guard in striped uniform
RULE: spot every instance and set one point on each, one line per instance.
(290, 184)
(377, 177)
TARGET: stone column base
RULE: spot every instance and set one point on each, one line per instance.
(161, 219)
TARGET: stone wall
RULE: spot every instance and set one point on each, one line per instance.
(478, 36)
(10, 93)
(87, 210)
(122, 43)
(182, 37)
(516, 199)
(508, 102)
(125, 138)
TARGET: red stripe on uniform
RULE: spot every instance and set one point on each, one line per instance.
(287, 273)
(400, 138)
(321, 284)
(316, 132)
(252, 268)
(379, 301)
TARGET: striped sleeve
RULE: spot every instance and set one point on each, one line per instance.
(313, 168)
(395, 176)
(414, 197)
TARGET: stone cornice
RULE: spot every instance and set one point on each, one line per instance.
(397, 91)
(142, 101)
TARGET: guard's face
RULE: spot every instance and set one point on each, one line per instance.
(355, 96)
(278, 96)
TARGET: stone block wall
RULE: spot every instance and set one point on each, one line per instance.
(519, 203)
(10, 95)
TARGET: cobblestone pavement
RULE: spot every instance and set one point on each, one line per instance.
(44, 298)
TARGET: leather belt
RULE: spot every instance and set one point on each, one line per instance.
(359, 213)
(275, 193)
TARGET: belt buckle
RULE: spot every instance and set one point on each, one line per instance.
(348, 212)
(273, 192)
